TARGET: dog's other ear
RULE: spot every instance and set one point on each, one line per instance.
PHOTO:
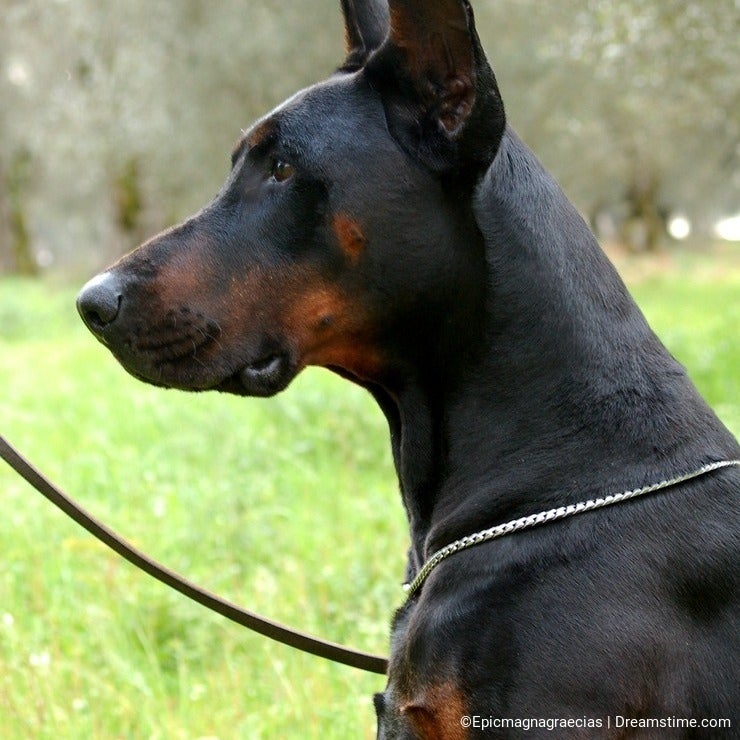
(365, 29)
(440, 94)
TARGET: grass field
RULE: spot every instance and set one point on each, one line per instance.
(287, 506)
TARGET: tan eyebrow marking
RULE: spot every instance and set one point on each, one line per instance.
(252, 138)
(260, 132)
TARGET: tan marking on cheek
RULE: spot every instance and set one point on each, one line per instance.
(245, 303)
(349, 235)
(330, 331)
(434, 712)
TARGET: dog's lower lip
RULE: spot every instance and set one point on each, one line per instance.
(263, 368)
(266, 376)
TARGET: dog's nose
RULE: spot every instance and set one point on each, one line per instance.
(99, 302)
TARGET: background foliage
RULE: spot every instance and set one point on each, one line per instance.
(118, 118)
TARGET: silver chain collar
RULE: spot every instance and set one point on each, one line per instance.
(552, 515)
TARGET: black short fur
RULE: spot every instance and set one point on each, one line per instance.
(389, 225)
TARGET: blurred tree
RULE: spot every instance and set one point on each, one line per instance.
(128, 198)
(6, 262)
(16, 178)
(129, 110)
(635, 104)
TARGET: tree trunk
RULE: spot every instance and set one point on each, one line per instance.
(5, 259)
(16, 249)
(644, 227)
(128, 203)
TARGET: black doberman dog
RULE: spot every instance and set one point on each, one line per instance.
(387, 224)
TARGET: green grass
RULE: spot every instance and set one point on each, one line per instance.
(287, 506)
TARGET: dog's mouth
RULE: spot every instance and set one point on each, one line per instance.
(265, 376)
(195, 356)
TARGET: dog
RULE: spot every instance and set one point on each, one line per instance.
(388, 224)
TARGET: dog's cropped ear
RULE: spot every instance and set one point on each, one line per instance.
(440, 94)
(365, 28)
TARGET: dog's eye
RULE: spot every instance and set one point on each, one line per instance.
(281, 170)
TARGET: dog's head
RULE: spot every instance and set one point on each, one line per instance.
(332, 241)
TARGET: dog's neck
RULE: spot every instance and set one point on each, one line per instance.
(565, 385)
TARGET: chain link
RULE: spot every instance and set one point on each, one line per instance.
(552, 515)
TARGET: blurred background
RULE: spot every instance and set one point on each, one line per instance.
(117, 119)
